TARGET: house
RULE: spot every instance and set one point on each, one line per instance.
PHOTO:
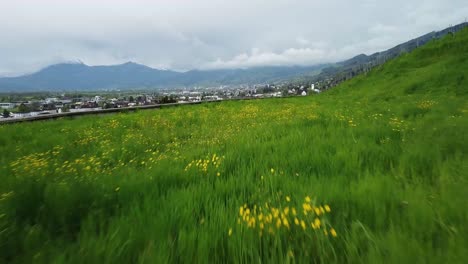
(312, 88)
(51, 100)
(7, 105)
(97, 99)
(212, 98)
(194, 98)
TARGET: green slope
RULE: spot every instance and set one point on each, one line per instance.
(386, 152)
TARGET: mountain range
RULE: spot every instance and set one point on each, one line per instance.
(130, 75)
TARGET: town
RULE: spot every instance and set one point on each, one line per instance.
(30, 105)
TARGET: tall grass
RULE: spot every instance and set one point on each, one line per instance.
(386, 151)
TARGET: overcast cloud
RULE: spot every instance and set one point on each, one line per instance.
(207, 34)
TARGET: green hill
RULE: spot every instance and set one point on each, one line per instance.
(372, 171)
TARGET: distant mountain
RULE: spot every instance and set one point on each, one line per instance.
(362, 63)
(81, 77)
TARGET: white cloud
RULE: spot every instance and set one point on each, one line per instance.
(379, 29)
(185, 34)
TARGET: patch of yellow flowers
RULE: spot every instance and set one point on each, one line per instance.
(427, 104)
(210, 162)
(269, 219)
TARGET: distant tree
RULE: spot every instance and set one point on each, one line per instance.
(108, 105)
(22, 108)
(131, 99)
(36, 106)
(168, 99)
(65, 108)
(5, 113)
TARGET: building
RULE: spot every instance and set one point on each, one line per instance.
(7, 105)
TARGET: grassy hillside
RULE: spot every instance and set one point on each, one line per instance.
(373, 171)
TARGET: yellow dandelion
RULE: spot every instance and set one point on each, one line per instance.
(333, 232)
(317, 211)
(278, 223)
(317, 222)
(296, 221)
(303, 225)
(218, 174)
(327, 208)
(307, 199)
(288, 199)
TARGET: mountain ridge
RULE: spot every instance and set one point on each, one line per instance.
(131, 75)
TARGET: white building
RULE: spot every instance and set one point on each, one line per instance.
(312, 88)
(7, 105)
(51, 100)
(97, 99)
(194, 98)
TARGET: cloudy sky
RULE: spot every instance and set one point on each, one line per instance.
(207, 34)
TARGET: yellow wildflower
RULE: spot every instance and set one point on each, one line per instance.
(288, 199)
(317, 222)
(303, 224)
(230, 232)
(317, 211)
(278, 223)
(333, 232)
(327, 208)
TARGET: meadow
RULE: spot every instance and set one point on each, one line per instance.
(372, 171)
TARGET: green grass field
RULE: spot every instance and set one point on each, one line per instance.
(373, 171)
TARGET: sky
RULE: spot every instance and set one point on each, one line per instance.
(210, 34)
